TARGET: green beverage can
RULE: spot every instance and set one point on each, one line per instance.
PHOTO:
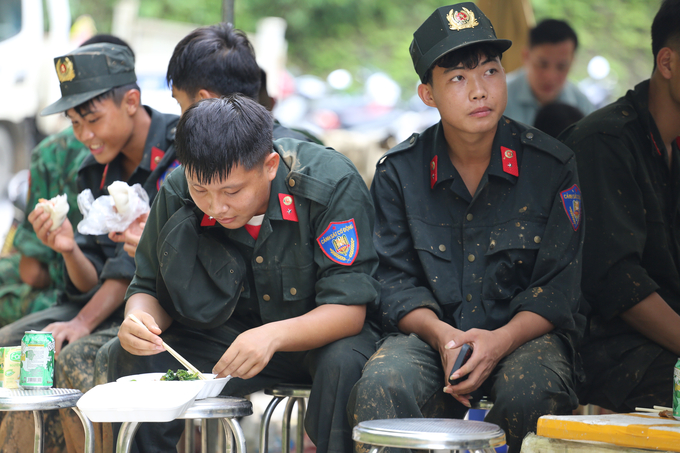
(37, 360)
(676, 390)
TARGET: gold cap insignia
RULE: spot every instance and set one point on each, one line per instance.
(287, 200)
(65, 70)
(459, 20)
(508, 154)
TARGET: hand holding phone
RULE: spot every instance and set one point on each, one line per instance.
(463, 356)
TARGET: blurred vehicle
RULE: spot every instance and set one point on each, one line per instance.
(27, 80)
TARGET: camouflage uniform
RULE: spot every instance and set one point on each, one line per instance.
(54, 165)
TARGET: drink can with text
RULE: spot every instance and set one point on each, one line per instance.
(37, 360)
(676, 390)
(11, 365)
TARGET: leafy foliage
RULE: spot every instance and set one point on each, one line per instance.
(365, 36)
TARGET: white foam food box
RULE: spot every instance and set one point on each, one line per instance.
(212, 387)
(139, 401)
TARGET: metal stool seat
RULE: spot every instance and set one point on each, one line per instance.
(42, 400)
(429, 434)
(295, 394)
(226, 408)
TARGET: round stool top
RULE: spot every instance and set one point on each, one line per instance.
(36, 400)
(219, 407)
(289, 390)
(429, 434)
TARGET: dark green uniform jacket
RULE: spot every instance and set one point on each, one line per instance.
(287, 271)
(477, 261)
(108, 257)
(632, 248)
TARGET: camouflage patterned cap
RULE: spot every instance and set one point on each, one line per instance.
(450, 28)
(90, 71)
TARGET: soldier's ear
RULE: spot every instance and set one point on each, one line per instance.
(131, 101)
(425, 94)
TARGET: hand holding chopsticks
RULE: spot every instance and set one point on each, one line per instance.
(172, 352)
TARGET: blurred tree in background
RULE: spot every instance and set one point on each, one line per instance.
(366, 36)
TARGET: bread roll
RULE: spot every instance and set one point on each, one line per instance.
(57, 208)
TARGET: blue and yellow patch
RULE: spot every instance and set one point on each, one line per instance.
(571, 200)
(340, 242)
(165, 174)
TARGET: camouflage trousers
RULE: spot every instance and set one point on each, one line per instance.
(405, 378)
(75, 367)
(17, 299)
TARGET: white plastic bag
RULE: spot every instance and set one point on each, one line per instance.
(100, 217)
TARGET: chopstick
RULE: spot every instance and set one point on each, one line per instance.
(172, 352)
(656, 409)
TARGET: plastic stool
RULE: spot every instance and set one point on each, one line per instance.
(226, 408)
(429, 434)
(295, 394)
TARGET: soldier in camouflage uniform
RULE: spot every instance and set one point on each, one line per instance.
(38, 281)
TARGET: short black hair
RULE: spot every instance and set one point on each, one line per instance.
(469, 56)
(214, 135)
(115, 93)
(552, 31)
(218, 58)
(666, 28)
(555, 117)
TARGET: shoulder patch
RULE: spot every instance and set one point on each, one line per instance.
(340, 242)
(165, 174)
(571, 200)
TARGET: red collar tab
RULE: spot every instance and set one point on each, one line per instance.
(156, 157)
(433, 172)
(101, 184)
(207, 221)
(677, 141)
(509, 161)
(658, 151)
(253, 230)
(288, 211)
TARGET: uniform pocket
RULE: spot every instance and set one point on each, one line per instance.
(433, 239)
(298, 282)
(511, 256)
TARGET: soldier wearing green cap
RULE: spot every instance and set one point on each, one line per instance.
(127, 142)
(479, 234)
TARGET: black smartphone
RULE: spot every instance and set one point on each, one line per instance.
(463, 356)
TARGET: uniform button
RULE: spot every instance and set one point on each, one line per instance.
(537, 239)
(530, 135)
(469, 217)
(293, 291)
(413, 139)
(165, 254)
(231, 271)
(259, 260)
(266, 297)
(492, 245)
(442, 248)
(625, 113)
(243, 288)
(291, 182)
(468, 297)
(471, 257)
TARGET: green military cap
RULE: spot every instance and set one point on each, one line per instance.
(90, 71)
(450, 28)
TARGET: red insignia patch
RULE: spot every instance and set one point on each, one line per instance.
(288, 207)
(207, 220)
(156, 157)
(509, 161)
(433, 172)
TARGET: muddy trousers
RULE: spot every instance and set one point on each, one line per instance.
(405, 379)
(331, 370)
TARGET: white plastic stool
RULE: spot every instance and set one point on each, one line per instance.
(295, 394)
(429, 434)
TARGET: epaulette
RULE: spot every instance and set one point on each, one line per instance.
(544, 142)
(609, 120)
(403, 146)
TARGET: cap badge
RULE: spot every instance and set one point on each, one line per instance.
(459, 20)
(65, 70)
